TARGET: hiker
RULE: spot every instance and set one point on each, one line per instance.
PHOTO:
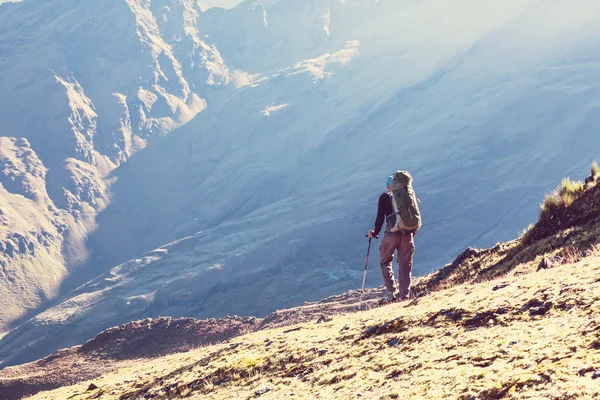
(398, 207)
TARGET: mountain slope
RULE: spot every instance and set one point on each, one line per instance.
(85, 85)
(264, 195)
(122, 346)
(29, 232)
(501, 291)
(304, 166)
(536, 335)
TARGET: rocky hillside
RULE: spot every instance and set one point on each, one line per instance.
(516, 320)
(84, 87)
(123, 346)
(533, 334)
(527, 336)
(167, 160)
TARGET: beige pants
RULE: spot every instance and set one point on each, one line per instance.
(405, 245)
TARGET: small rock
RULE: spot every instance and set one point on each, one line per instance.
(323, 318)
(370, 330)
(536, 311)
(513, 343)
(541, 310)
(395, 374)
(584, 371)
(92, 387)
(262, 391)
(292, 330)
(344, 328)
(393, 342)
(270, 342)
(501, 286)
(596, 374)
(546, 263)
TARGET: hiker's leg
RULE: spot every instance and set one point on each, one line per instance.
(406, 250)
(386, 259)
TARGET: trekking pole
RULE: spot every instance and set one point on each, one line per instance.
(362, 292)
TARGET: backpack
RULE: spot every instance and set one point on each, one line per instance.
(406, 216)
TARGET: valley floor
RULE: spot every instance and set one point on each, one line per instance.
(526, 335)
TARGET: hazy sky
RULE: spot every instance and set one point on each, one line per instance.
(219, 3)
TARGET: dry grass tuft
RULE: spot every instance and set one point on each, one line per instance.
(524, 236)
(563, 197)
(595, 171)
(549, 207)
(569, 190)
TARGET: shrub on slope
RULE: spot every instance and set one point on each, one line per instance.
(568, 226)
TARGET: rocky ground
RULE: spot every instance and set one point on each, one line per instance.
(535, 335)
(124, 346)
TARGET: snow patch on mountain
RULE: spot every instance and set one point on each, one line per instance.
(273, 108)
(319, 67)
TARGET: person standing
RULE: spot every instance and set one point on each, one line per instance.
(398, 208)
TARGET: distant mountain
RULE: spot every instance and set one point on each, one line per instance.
(84, 86)
(229, 161)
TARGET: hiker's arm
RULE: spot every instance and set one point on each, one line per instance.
(380, 214)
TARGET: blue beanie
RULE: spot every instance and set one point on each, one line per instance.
(389, 181)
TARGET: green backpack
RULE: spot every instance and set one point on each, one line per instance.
(406, 216)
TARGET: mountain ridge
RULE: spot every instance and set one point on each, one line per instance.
(83, 117)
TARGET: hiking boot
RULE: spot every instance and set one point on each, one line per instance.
(389, 298)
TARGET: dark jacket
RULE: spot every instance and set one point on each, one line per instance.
(384, 208)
